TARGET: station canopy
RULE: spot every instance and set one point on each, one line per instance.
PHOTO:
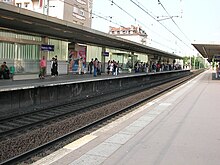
(211, 51)
(29, 22)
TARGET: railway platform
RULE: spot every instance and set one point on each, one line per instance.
(22, 96)
(34, 82)
(22, 83)
(180, 127)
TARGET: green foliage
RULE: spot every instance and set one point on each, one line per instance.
(196, 62)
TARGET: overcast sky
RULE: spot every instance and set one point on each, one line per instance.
(193, 21)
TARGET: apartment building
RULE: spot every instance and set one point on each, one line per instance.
(133, 33)
(76, 11)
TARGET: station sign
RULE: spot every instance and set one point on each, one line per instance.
(45, 47)
(106, 54)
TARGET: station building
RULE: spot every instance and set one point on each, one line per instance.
(26, 36)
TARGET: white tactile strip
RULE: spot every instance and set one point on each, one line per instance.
(89, 160)
(119, 138)
(80, 142)
(101, 152)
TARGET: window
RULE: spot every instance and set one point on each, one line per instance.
(26, 4)
(75, 9)
(78, 13)
(81, 12)
(18, 4)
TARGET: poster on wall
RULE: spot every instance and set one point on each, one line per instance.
(72, 58)
(75, 55)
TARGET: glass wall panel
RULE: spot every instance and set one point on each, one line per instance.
(60, 49)
(7, 53)
(27, 60)
(94, 52)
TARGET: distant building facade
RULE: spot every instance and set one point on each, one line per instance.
(133, 33)
(76, 11)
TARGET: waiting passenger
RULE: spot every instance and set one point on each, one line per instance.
(95, 64)
(99, 67)
(111, 67)
(4, 71)
(115, 69)
(108, 67)
(53, 67)
(43, 65)
(154, 67)
(56, 66)
(80, 66)
(217, 71)
(90, 66)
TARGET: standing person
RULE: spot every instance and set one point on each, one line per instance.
(80, 66)
(99, 68)
(52, 65)
(42, 68)
(217, 71)
(56, 66)
(90, 66)
(4, 71)
(111, 67)
(95, 64)
(154, 67)
(108, 67)
(114, 71)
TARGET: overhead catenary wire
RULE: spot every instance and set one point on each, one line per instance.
(160, 23)
(136, 20)
(159, 2)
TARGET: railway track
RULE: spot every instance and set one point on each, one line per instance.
(68, 119)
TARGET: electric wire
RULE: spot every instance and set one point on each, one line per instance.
(160, 23)
(173, 20)
(136, 20)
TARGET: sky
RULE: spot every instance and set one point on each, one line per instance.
(193, 21)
